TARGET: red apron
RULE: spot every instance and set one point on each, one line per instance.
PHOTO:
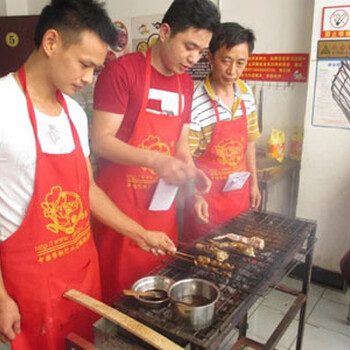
(225, 155)
(53, 250)
(131, 188)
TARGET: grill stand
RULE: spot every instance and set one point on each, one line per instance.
(284, 237)
(300, 303)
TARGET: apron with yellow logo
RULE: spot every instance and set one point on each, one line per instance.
(52, 250)
(224, 156)
(131, 188)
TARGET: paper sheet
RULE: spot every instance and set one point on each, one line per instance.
(236, 181)
(163, 197)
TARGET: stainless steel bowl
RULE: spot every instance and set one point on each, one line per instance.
(153, 283)
(193, 301)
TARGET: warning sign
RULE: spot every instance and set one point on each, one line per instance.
(336, 22)
(333, 48)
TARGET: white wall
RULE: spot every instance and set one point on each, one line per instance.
(280, 26)
(35, 6)
(3, 8)
(324, 193)
(21, 7)
(16, 7)
(131, 8)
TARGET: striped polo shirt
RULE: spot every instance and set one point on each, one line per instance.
(203, 117)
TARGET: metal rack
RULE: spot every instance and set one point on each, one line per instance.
(285, 239)
(341, 87)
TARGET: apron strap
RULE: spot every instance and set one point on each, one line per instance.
(31, 112)
(216, 110)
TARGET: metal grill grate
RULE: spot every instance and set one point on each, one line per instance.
(284, 238)
(341, 87)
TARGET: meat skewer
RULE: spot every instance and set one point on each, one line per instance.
(256, 242)
(208, 264)
(243, 248)
(219, 254)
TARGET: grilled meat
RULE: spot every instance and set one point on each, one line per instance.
(219, 254)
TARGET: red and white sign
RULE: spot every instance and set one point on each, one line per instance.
(277, 67)
(335, 22)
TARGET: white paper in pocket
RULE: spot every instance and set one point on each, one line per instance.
(236, 181)
(163, 196)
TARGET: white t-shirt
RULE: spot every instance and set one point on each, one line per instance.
(18, 152)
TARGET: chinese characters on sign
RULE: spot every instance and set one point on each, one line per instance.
(277, 67)
(333, 48)
(201, 69)
(336, 22)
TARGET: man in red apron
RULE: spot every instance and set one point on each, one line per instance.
(46, 184)
(142, 107)
(222, 134)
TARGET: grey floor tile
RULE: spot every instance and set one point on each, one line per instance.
(330, 315)
(319, 338)
(264, 321)
(337, 296)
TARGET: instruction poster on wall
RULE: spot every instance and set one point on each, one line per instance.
(326, 111)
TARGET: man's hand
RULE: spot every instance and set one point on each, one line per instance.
(172, 170)
(10, 319)
(255, 196)
(158, 243)
(201, 209)
(202, 182)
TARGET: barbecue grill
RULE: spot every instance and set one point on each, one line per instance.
(287, 242)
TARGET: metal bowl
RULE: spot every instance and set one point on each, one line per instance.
(193, 301)
(153, 283)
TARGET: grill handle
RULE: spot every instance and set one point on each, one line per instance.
(131, 325)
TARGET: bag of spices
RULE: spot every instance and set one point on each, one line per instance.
(296, 145)
(276, 145)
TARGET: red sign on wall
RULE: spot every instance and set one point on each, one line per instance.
(277, 67)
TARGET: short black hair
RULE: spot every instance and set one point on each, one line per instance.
(72, 17)
(183, 14)
(230, 34)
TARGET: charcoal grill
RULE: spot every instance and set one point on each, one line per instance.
(285, 239)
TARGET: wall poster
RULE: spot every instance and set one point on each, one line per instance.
(325, 111)
(144, 31)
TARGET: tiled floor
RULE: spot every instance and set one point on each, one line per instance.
(325, 329)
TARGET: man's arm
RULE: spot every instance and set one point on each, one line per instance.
(255, 196)
(182, 151)
(105, 144)
(10, 318)
(105, 211)
(202, 182)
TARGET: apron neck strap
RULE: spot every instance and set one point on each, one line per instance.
(31, 112)
(215, 106)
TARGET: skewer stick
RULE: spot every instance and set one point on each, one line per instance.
(185, 255)
(183, 258)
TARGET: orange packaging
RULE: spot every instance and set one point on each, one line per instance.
(296, 145)
(276, 145)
